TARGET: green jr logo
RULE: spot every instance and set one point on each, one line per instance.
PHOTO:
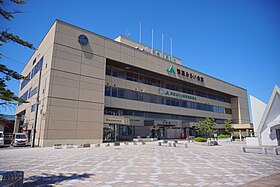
(171, 70)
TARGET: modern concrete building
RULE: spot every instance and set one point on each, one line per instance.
(90, 88)
(266, 119)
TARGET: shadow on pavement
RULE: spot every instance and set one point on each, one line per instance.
(49, 179)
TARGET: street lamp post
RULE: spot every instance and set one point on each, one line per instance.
(36, 110)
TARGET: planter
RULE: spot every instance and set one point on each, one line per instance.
(134, 143)
(97, 145)
(117, 143)
(107, 145)
(57, 146)
(143, 143)
(125, 143)
(69, 146)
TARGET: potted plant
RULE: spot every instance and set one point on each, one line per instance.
(57, 146)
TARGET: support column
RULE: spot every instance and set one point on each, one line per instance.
(17, 123)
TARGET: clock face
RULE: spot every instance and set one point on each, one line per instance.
(83, 39)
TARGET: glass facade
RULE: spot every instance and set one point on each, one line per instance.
(119, 73)
(151, 115)
(33, 72)
(156, 99)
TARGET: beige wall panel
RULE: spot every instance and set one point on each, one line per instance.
(61, 134)
(67, 40)
(141, 55)
(68, 54)
(166, 109)
(91, 96)
(86, 134)
(64, 92)
(92, 80)
(155, 108)
(68, 30)
(187, 112)
(112, 54)
(65, 82)
(113, 45)
(90, 126)
(141, 63)
(91, 106)
(127, 59)
(131, 85)
(176, 110)
(63, 113)
(68, 66)
(94, 39)
(118, 82)
(127, 50)
(61, 125)
(92, 49)
(243, 103)
(154, 90)
(94, 63)
(144, 106)
(63, 103)
(90, 86)
(132, 105)
(90, 115)
(117, 103)
(65, 75)
(108, 80)
(107, 102)
(92, 71)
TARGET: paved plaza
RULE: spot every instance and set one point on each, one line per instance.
(140, 165)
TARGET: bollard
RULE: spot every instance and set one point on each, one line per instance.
(275, 151)
(243, 149)
(159, 143)
(169, 144)
(264, 150)
(185, 145)
(174, 144)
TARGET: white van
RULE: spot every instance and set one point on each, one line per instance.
(19, 139)
(1, 138)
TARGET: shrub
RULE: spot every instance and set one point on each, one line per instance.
(224, 136)
(199, 139)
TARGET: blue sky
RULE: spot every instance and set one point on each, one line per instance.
(237, 41)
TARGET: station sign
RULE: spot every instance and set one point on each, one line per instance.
(177, 95)
(185, 74)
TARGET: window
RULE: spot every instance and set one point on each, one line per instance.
(33, 92)
(114, 92)
(33, 107)
(107, 91)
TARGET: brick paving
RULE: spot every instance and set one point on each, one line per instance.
(141, 165)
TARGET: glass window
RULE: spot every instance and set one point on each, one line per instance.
(107, 91)
(134, 95)
(114, 92)
(121, 93)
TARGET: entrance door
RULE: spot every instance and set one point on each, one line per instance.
(111, 132)
(278, 136)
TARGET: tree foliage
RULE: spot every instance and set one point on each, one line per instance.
(228, 126)
(206, 127)
(6, 95)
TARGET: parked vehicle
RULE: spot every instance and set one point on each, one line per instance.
(19, 139)
(1, 138)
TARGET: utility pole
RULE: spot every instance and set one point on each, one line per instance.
(36, 110)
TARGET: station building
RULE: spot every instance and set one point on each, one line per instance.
(86, 88)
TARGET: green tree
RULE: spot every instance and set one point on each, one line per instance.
(7, 97)
(228, 126)
(206, 127)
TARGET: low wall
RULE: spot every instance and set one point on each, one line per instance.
(252, 141)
